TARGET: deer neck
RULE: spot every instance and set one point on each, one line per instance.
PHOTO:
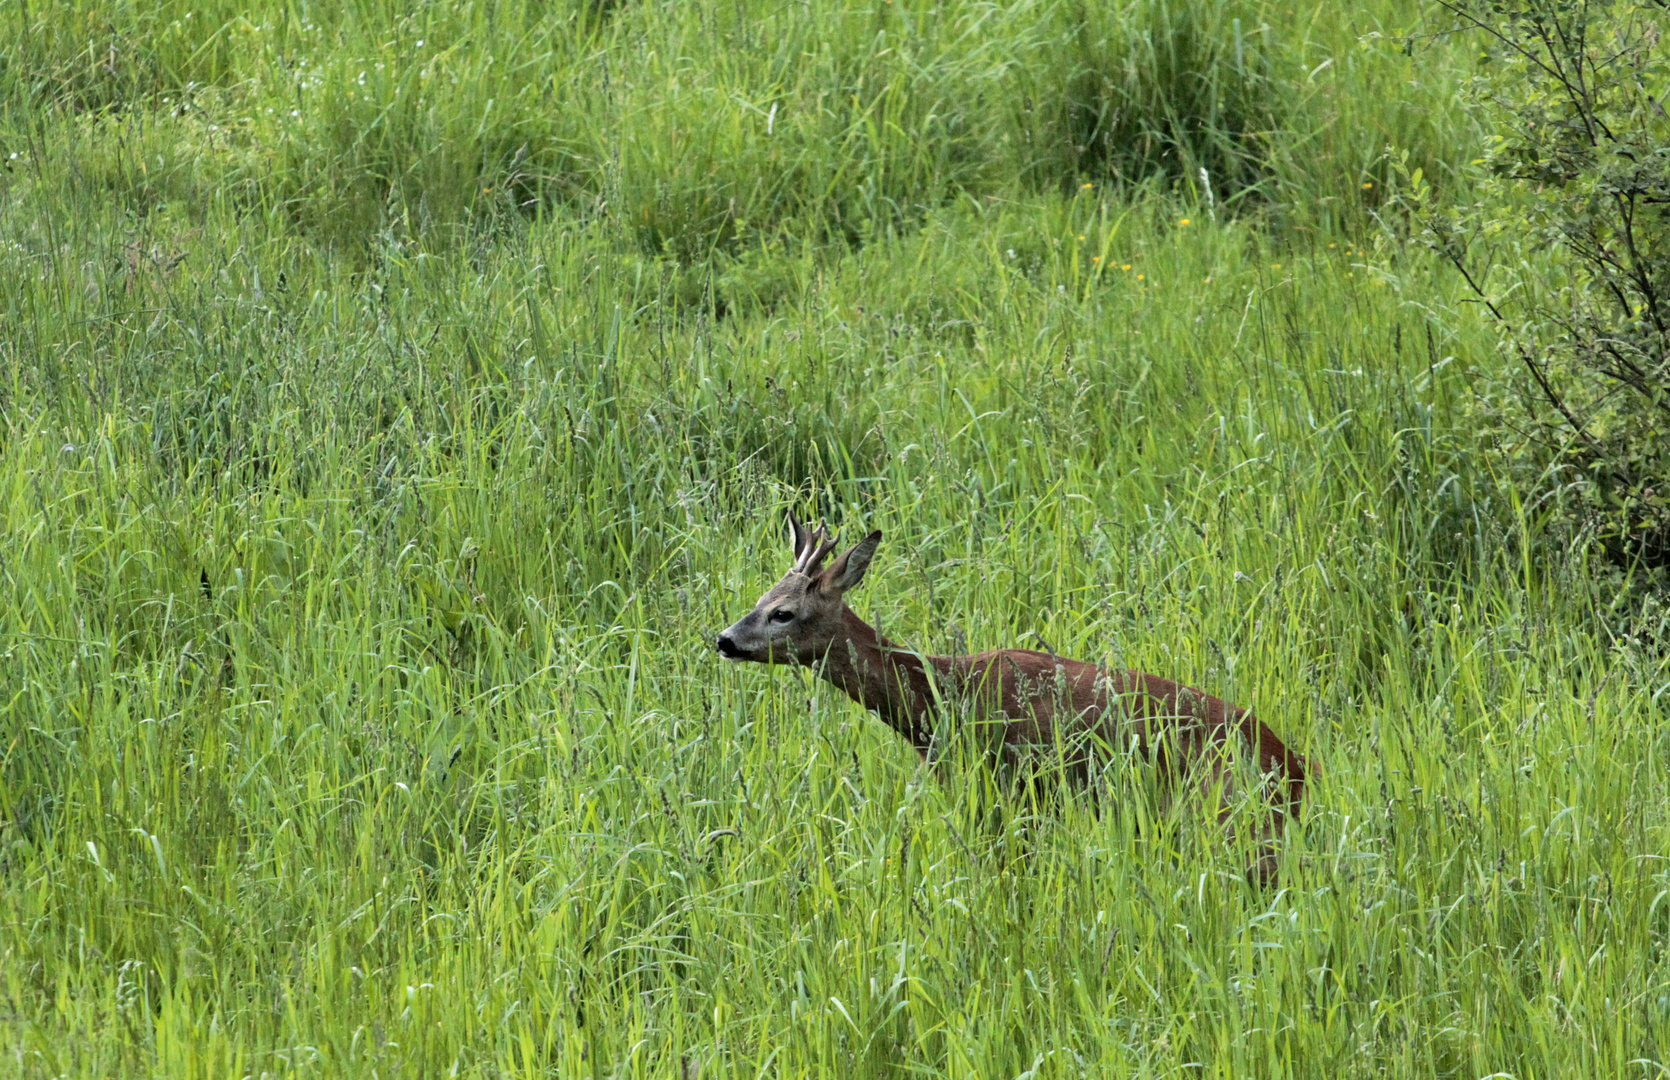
(886, 678)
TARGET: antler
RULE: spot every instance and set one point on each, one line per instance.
(798, 535)
(810, 548)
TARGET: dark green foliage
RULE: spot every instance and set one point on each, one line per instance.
(1570, 253)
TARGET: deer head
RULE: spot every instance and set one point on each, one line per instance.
(800, 617)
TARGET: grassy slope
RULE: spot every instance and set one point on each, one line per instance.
(363, 534)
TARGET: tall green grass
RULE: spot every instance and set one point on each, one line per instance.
(712, 127)
(365, 528)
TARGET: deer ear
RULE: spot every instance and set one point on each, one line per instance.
(847, 571)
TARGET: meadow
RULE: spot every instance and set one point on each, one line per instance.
(397, 399)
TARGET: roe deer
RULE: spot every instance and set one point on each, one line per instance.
(1082, 709)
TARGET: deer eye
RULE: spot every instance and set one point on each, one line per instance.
(782, 615)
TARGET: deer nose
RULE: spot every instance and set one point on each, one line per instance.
(727, 647)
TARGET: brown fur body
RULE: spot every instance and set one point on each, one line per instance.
(1081, 709)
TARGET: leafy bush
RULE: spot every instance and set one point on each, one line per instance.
(1569, 251)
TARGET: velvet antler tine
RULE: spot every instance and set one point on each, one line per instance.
(812, 552)
(799, 535)
(815, 563)
(808, 545)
